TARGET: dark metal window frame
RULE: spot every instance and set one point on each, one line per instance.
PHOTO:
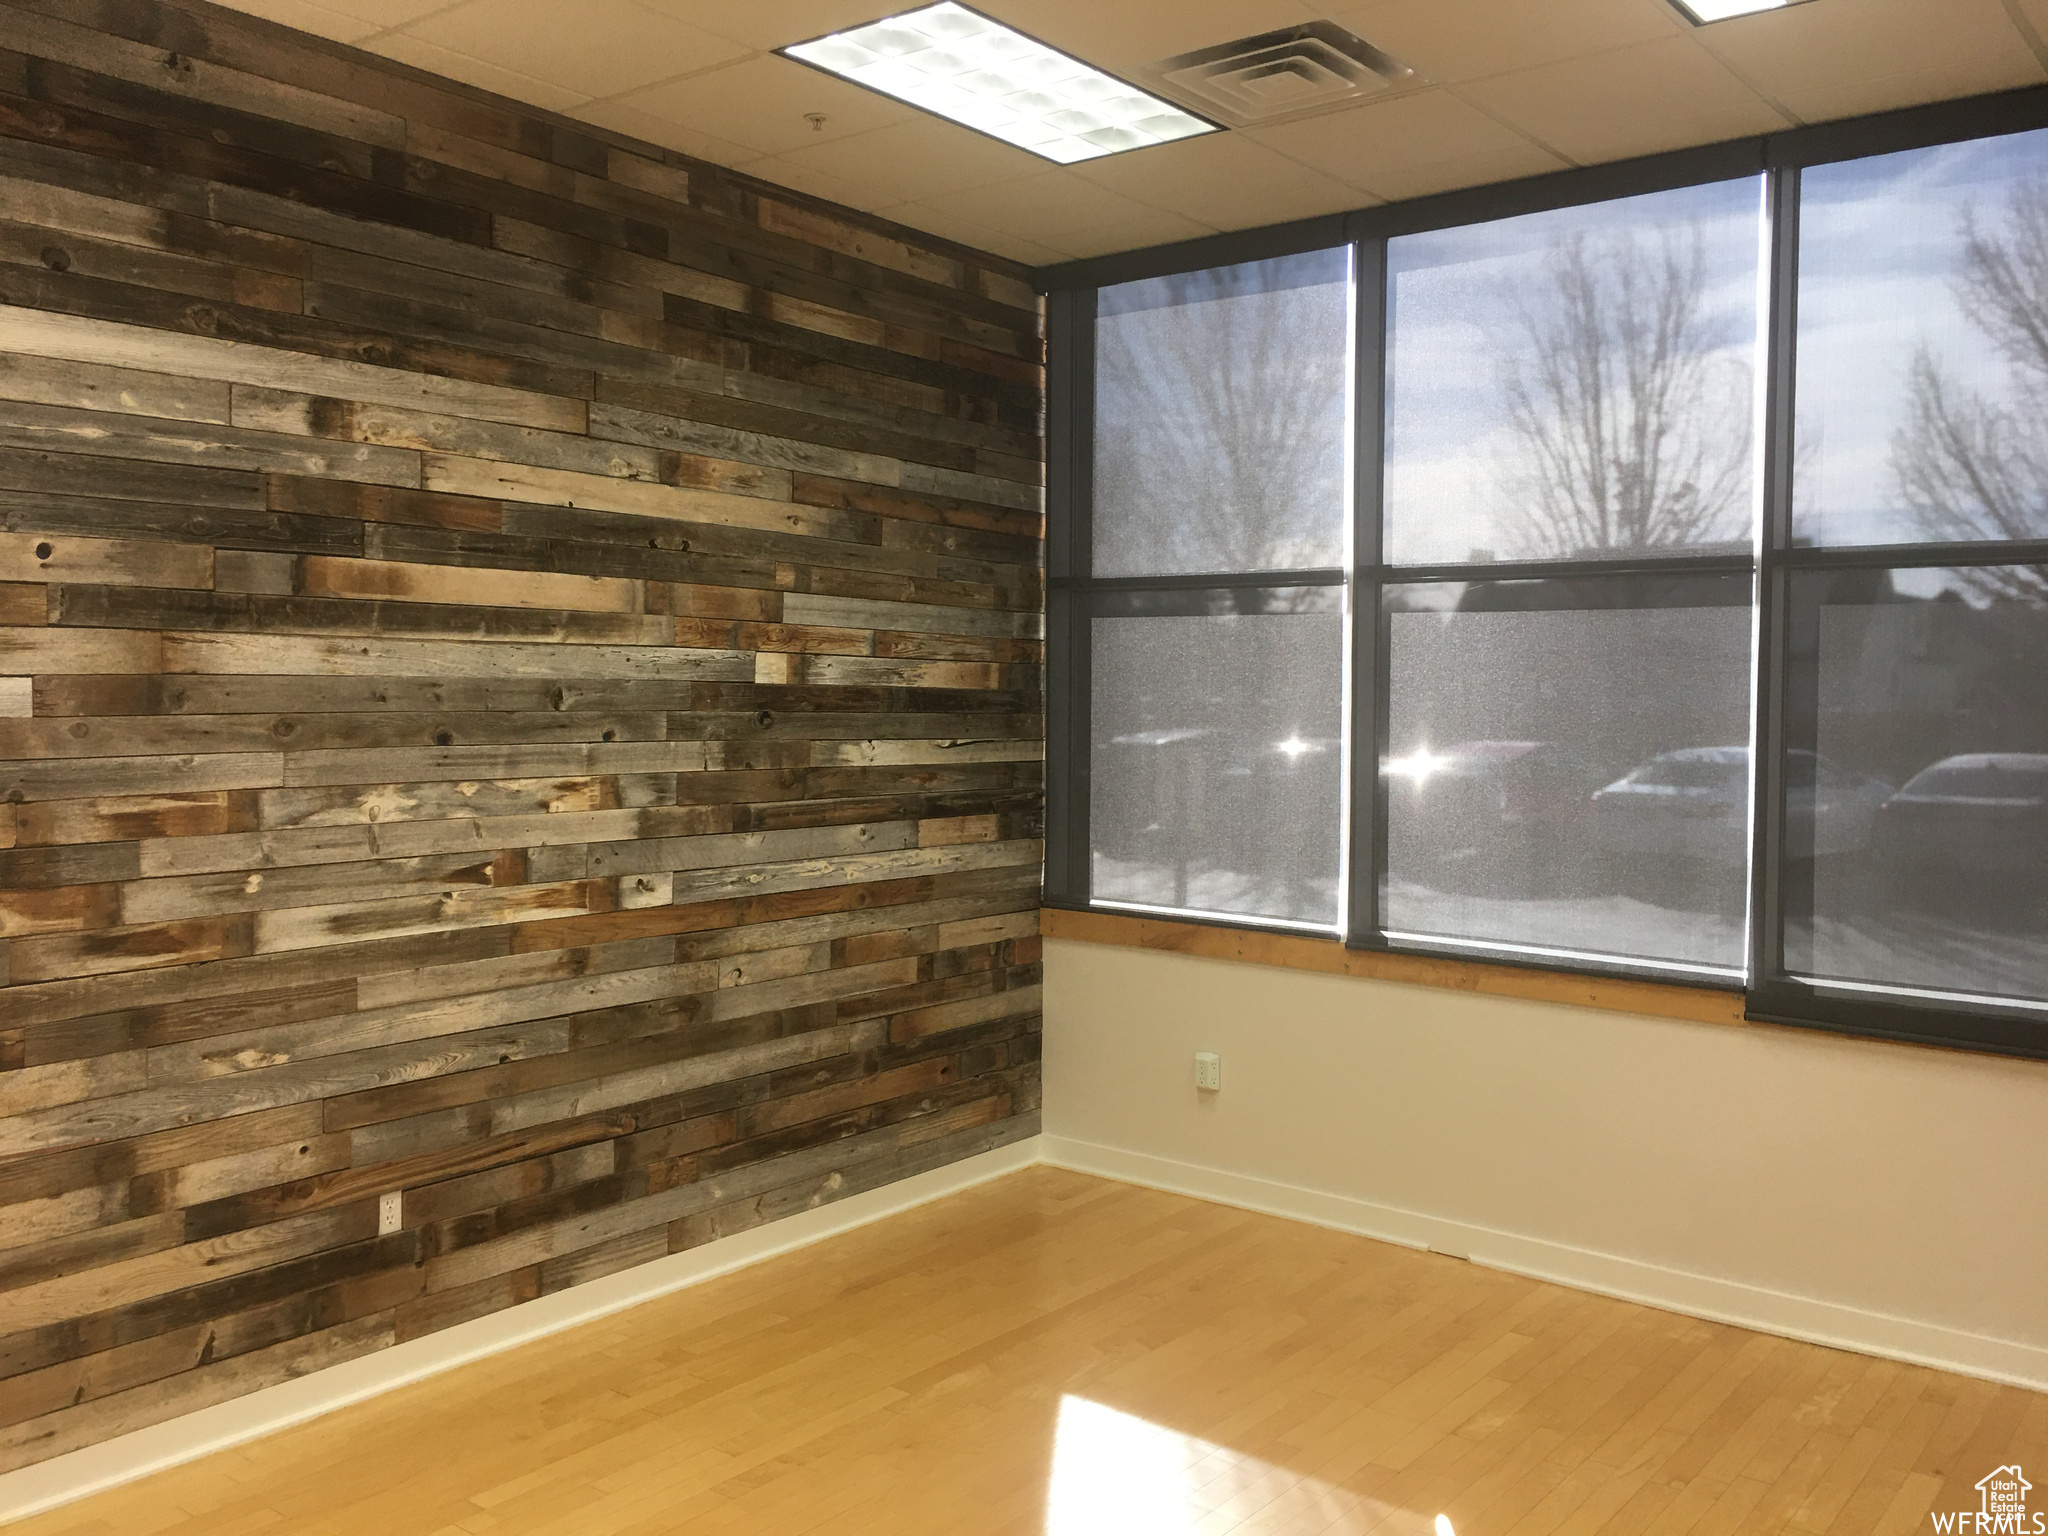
(1772, 995)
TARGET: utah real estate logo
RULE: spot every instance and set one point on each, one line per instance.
(2004, 1509)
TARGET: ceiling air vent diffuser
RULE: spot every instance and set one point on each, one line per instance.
(1295, 72)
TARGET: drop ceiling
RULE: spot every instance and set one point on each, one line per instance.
(1505, 88)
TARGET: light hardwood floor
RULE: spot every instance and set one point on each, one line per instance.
(1054, 1353)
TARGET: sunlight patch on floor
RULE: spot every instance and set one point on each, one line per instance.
(1114, 1474)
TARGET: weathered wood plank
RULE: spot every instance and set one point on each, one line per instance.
(466, 765)
(82, 339)
(670, 854)
(810, 874)
(850, 754)
(675, 503)
(325, 576)
(267, 321)
(59, 779)
(461, 796)
(88, 1423)
(275, 1046)
(931, 618)
(617, 423)
(324, 884)
(192, 79)
(23, 603)
(519, 682)
(49, 428)
(62, 650)
(868, 672)
(311, 927)
(111, 951)
(271, 655)
(46, 1176)
(95, 387)
(113, 562)
(305, 415)
(121, 818)
(160, 608)
(137, 735)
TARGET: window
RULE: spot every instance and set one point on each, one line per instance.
(1577, 384)
(1904, 887)
(1923, 346)
(1211, 587)
(1218, 752)
(1572, 392)
(1918, 855)
(1568, 768)
(1222, 428)
(1641, 570)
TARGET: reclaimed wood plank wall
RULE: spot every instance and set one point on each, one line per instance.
(519, 683)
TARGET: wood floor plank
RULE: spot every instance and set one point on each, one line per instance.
(1054, 1354)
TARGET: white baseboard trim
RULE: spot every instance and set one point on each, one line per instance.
(62, 1479)
(1722, 1301)
(77, 1474)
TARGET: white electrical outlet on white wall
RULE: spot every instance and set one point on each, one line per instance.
(1208, 1071)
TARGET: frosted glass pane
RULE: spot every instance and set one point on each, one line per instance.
(1218, 763)
(1222, 419)
(1576, 383)
(1568, 774)
(1918, 849)
(1923, 346)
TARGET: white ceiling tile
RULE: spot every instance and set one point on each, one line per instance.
(1045, 206)
(1477, 170)
(1832, 59)
(761, 103)
(919, 158)
(815, 180)
(593, 47)
(1224, 180)
(472, 71)
(1427, 137)
(778, 23)
(384, 13)
(1630, 101)
(1119, 34)
(1914, 87)
(967, 232)
(1457, 40)
(1591, 80)
(321, 20)
(687, 141)
(1151, 226)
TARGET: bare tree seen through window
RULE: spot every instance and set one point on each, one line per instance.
(1220, 426)
(1628, 418)
(1968, 466)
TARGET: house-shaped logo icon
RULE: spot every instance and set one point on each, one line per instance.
(2005, 1509)
(2005, 1493)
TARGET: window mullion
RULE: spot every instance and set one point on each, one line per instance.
(1767, 755)
(1069, 429)
(1367, 722)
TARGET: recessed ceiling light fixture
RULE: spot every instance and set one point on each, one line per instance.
(960, 64)
(1700, 12)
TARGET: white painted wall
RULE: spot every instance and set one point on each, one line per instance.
(1890, 1197)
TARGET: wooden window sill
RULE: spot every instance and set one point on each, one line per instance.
(1703, 1005)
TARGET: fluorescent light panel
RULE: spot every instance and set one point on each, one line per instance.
(1700, 12)
(961, 65)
